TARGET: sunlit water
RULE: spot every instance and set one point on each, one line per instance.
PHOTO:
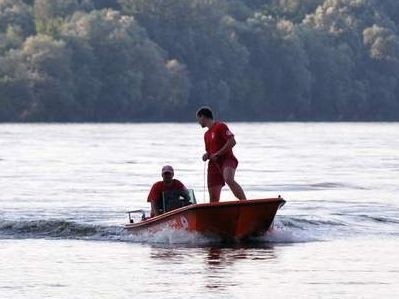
(65, 189)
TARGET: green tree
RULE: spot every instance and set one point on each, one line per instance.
(128, 72)
(48, 64)
(50, 15)
(279, 77)
(383, 71)
(16, 14)
(203, 37)
(15, 90)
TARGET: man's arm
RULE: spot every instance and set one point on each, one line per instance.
(154, 209)
(152, 198)
(230, 143)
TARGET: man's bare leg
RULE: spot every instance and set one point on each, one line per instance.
(228, 175)
(214, 193)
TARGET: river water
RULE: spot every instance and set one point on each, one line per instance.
(65, 189)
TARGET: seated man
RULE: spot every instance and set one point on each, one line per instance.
(167, 184)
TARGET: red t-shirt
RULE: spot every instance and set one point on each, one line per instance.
(159, 187)
(216, 137)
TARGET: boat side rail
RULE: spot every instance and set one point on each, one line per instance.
(131, 220)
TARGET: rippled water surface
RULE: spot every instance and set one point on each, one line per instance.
(65, 190)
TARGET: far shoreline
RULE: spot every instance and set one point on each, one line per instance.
(194, 122)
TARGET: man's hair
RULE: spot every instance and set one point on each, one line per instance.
(205, 111)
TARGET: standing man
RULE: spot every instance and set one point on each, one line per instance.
(222, 166)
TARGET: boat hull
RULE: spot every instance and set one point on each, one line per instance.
(229, 220)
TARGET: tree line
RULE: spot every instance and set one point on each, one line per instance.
(153, 60)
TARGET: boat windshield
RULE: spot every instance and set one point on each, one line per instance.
(175, 199)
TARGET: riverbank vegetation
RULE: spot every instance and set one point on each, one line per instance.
(159, 60)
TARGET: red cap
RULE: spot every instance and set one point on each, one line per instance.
(167, 168)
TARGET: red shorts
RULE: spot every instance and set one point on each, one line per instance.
(215, 171)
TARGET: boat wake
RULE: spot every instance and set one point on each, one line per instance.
(63, 229)
(287, 229)
(54, 228)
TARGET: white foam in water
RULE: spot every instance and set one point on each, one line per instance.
(279, 234)
(282, 235)
(168, 236)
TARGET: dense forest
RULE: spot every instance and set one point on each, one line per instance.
(152, 60)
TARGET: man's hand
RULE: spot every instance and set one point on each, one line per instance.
(205, 157)
(214, 156)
